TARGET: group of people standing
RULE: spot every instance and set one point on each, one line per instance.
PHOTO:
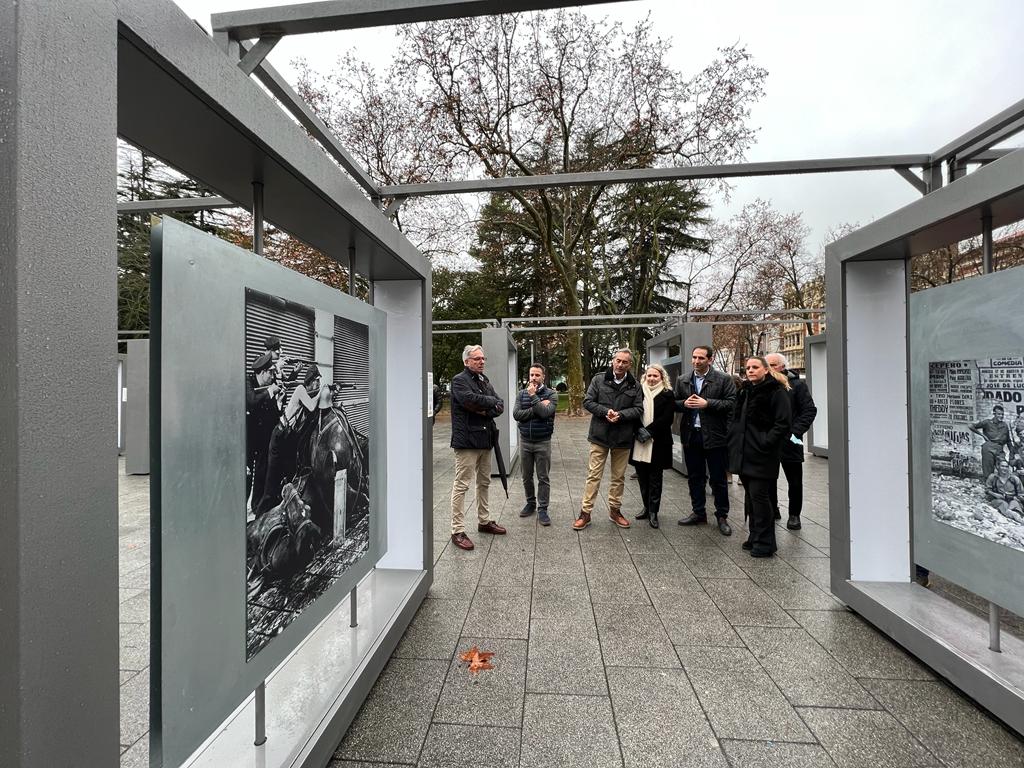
(750, 427)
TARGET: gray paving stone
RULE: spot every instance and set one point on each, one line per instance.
(791, 590)
(857, 738)
(507, 572)
(815, 569)
(952, 727)
(862, 649)
(134, 651)
(606, 550)
(134, 709)
(746, 604)
(803, 670)
(135, 610)
(740, 699)
(647, 700)
(565, 657)
(641, 539)
(434, 630)
(633, 636)
(615, 584)
(393, 721)
(697, 623)
(562, 731)
(557, 595)
(489, 697)
(709, 562)
(361, 764)
(769, 754)
(470, 746)
(499, 612)
(557, 556)
(137, 755)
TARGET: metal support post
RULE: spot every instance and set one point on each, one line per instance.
(986, 241)
(257, 217)
(354, 608)
(261, 714)
(993, 628)
(351, 270)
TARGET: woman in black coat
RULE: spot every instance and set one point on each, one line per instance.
(760, 427)
(652, 456)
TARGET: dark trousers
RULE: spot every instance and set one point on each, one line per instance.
(256, 476)
(280, 466)
(757, 505)
(703, 463)
(650, 481)
(795, 480)
(536, 456)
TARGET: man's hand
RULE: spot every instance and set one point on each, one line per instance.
(695, 401)
(273, 389)
(545, 402)
(612, 416)
(531, 390)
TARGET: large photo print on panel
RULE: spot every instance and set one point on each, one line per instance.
(976, 416)
(307, 405)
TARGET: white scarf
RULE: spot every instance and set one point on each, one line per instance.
(644, 451)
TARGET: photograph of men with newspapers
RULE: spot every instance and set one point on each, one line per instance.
(976, 415)
(306, 512)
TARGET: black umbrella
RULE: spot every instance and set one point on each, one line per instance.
(502, 472)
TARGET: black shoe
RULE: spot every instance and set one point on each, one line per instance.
(762, 552)
(654, 521)
(777, 515)
(527, 510)
(542, 517)
(747, 545)
(694, 519)
(643, 515)
(723, 527)
(793, 523)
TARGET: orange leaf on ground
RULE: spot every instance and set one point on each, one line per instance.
(477, 659)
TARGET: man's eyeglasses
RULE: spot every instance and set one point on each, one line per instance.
(478, 358)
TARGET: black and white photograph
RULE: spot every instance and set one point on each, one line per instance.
(976, 418)
(307, 409)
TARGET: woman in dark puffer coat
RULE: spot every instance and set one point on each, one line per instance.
(760, 427)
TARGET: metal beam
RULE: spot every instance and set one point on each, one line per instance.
(393, 207)
(915, 181)
(333, 15)
(255, 55)
(309, 120)
(168, 205)
(780, 168)
(992, 131)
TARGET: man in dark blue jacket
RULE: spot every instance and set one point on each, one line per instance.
(804, 410)
(535, 412)
(474, 406)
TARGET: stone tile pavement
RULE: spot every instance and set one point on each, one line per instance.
(622, 648)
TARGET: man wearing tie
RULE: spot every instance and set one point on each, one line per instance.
(705, 398)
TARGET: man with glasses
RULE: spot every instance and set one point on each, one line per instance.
(475, 404)
(616, 402)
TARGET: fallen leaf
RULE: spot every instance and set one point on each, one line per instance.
(477, 659)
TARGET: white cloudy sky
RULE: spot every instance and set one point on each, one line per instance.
(864, 78)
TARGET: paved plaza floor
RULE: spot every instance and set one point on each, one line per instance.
(637, 647)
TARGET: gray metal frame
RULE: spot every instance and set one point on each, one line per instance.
(815, 349)
(503, 372)
(870, 495)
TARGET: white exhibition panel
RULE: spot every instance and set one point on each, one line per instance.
(817, 368)
(402, 300)
(502, 370)
(876, 418)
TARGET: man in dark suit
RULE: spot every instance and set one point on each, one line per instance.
(804, 410)
(261, 416)
(706, 398)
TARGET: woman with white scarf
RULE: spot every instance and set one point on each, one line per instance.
(652, 450)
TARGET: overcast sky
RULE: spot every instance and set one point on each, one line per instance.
(865, 78)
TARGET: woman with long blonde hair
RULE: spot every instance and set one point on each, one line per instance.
(651, 454)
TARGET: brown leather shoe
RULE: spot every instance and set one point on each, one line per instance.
(616, 517)
(462, 541)
(491, 527)
(581, 522)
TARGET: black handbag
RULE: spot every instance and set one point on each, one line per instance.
(642, 435)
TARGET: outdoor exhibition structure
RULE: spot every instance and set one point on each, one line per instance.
(74, 75)
(816, 362)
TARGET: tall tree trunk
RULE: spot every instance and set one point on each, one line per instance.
(574, 374)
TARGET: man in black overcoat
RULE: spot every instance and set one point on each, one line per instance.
(261, 416)
(804, 410)
(706, 398)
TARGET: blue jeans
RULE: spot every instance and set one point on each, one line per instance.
(536, 456)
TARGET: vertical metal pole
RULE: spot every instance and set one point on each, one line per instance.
(260, 701)
(354, 608)
(533, 358)
(351, 270)
(986, 241)
(257, 217)
(993, 628)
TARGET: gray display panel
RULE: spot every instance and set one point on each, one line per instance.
(204, 623)
(966, 345)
